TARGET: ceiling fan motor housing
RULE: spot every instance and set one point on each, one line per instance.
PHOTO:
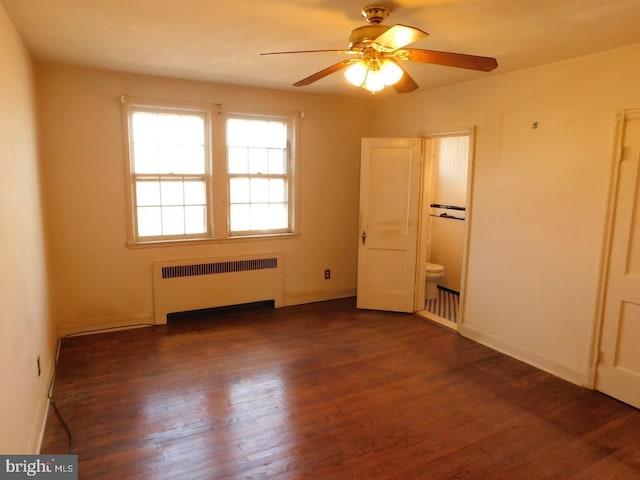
(375, 13)
(365, 35)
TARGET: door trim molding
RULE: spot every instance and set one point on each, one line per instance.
(422, 227)
(622, 117)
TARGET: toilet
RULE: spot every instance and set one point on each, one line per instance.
(432, 272)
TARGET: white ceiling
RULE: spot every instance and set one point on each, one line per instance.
(221, 41)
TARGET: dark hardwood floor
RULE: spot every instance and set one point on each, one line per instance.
(326, 391)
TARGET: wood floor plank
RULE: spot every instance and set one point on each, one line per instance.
(325, 391)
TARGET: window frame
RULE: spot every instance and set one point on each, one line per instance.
(290, 178)
(131, 106)
(217, 177)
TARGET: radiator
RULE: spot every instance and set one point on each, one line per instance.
(186, 285)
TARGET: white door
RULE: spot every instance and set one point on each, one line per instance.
(618, 371)
(389, 206)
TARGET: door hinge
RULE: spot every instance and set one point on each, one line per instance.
(600, 357)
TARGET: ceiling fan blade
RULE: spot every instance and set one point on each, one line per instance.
(311, 51)
(406, 84)
(460, 60)
(324, 72)
(400, 35)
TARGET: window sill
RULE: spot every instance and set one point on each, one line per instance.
(211, 241)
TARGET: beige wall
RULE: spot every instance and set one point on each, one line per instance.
(539, 198)
(98, 280)
(539, 204)
(26, 330)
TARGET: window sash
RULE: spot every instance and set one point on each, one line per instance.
(264, 163)
(169, 198)
(170, 150)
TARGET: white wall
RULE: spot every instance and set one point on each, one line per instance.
(539, 198)
(98, 280)
(26, 330)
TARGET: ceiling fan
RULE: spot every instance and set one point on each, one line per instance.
(376, 52)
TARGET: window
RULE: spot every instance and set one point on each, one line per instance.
(169, 166)
(181, 187)
(258, 169)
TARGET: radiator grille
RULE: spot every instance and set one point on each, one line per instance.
(176, 271)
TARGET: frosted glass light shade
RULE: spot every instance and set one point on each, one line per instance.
(374, 81)
(356, 73)
(391, 72)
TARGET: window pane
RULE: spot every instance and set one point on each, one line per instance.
(239, 190)
(173, 220)
(189, 130)
(260, 216)
(146, 157)
(258, 160)
(277, 162)
(147, 193)
(276, 133)
(149, 222)
(266, 216)
(195, 219)
(278, 216)
(240, 218)
(195, 192)
(172, 192)
(238, 159)
(256, 133)
(236, 132)
(193, 159)
(167, 126)
(259, 132)
(168, 143)
(144, 127)
(277, 190)
(170, 159)
(259, 190)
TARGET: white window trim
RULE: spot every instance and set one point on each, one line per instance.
(291, 119)
(216, 176)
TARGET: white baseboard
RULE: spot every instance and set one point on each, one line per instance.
(130, 320)
(39, 424)
(299, 298)
(582, 378)
(108, 322)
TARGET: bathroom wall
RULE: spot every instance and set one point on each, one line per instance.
(450, 166)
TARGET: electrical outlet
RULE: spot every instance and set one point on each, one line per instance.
(327, 274)
(38, 364)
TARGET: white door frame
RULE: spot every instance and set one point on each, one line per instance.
(621, 119)
(423, 227)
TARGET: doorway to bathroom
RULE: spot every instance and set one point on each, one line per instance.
(445, 218)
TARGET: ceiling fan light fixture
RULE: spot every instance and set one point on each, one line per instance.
(357, 73)
(373, 75)
(391, 72)
(374, 81)
(380, 50)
